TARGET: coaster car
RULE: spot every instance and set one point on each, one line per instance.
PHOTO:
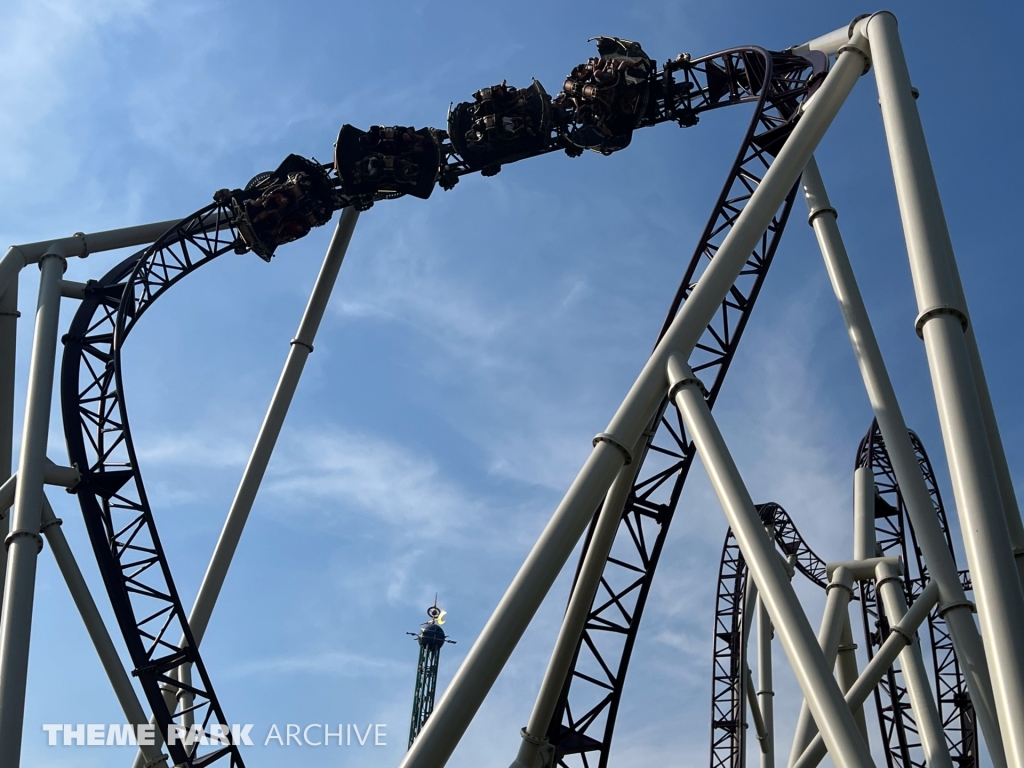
(502, 124)
(606, 97)
(280, 206)
(387, 162)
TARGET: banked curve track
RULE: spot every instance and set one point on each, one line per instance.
(119, 518)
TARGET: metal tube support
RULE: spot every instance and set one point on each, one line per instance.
(813, 672)
(900, 636)
(864, 543)
(846, 671)
(926, 713)
(836, 615)
(587, 583)
(745, 682)
(765, 691)
(500, 635)
(79, 244)
(245, 496)
(941, 323)
(259, 459)
(8, 357)
(50, 527)
(957, 610)
(23, 542)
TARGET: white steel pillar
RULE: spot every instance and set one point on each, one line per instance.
(926, 713)
(587, 583)
(765, 692)
(23, 542)
(813, 672)
(8, 350)
(941, 323)
(489, 653)
(836, 616)
(956, 609)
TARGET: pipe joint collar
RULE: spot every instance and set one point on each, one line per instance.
(941, 309)
(18, 534)
(301, 343)
(604, 437)
(944, 608)
(819, 211)
(48, 523)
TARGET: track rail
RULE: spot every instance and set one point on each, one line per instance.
(728, 681)
(117, 512)
(777, 83)
(895, 536)
(119, 517)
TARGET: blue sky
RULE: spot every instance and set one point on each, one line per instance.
(476, 341)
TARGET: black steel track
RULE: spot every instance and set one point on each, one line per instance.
(895, 536)
(117, 512)
(728, 681)
(584, 720)
(119, 518)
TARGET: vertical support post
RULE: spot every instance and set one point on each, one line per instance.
(942, 322)
(23, 542)
(864, 543)
(846, 672)
(8, 357)
(813, 673)
(957, 610)
(926, 714)
(765, 692)
(500, 635)
(836, 615)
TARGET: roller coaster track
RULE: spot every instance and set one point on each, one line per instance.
(118, 515)
(582, 726)
(894, 536)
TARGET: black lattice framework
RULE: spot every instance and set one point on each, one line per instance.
(728, 678)
(117, 512)
(895, 536)
(582, 726)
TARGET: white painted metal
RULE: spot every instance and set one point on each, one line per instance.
(926, 713)
(957, 610)
(835, 617)
(23, 542)
(813, 672)
(862, 570)
(846, 672)
(863, 512)
(19, 256)
(942, 320)
(587, 583)
(765, 692)
(900, 635)
(492, 648)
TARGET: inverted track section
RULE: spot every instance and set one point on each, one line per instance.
(777, 83)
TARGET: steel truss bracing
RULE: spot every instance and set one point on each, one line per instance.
(584, 720)
(728, 679)
(117, 512)
(895, 536)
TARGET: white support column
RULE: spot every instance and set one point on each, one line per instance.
(8, 357)
(23, 542)
(499, 637)
(864, 542)
(956, 609)
(900, 636)
(534, 735)
(846, 672)
(813, 672)
(836, 616)
(765, 692)
(926, 713)
(942, 321)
